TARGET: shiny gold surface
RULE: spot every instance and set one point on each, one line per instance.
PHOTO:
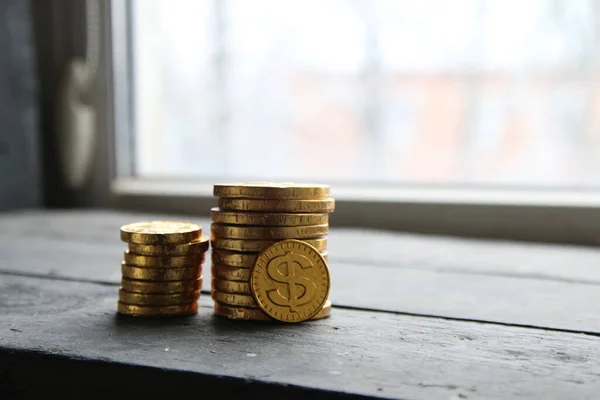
(290, 281)
(267, 219)
(271, 190)
(160, 232)
(237, 259)
(157, 311)
(161, 274)
(286, 206)
(226, 286)
(141, 299)
(256, 314)
(148, 287)
(238, 300)
(256, 246)
(198, 246)
(191, 260)
(268, 232)
(230, 273)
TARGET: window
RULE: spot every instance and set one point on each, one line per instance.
(377, 97)
(467, 92)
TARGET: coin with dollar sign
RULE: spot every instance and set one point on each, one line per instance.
(290, 281)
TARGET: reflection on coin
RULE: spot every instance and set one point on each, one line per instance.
(161, 274)
(267, 219)
(256, 246)
(272, 190)
(268, 232)
(157, 311)
(135, 286)
(256, 314)
(141, 299)
(163, 262)
(238, 300)
(198, 246)
(160, 232)
(287, 206)
(236, 259)
(290, 281)
(226, 286)
(230, 273)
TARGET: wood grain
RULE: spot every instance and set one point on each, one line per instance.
(511, 283)
(67, 324)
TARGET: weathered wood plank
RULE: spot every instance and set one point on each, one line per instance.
(368, 353)
(527, 302)
(85, 245)
(356, 246)
(447, 254)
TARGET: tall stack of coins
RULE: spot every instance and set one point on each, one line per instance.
(250, 219)
(162, 269)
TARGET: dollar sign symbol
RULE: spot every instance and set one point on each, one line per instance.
(300, 289)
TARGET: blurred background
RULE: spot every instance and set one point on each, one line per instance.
(484, 92)
(437, 95)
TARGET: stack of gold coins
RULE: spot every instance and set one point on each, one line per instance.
(162, 269)
(251, 218)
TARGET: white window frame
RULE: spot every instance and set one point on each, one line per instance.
(534, 214)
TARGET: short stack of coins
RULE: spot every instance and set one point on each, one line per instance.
(252, 217)
(162, 269)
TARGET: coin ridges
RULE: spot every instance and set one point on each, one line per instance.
(160, 232)
(268, 232)
(230, 273)
(223, 285)
(287, 206)
(142, 299)
(256, 314)
(267, 219)
(237, 259)
(198, 246)
(256, 246)
(161, 274)
(158, 287)
(271, 190)
(157, 311)
(238, 300)
(163, 262)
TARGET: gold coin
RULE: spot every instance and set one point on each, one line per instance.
(163, 262)
(238, 300)
(226, 286)
(272, 190)
(160, 232)
(256, 246)
(290, 281)
(236, 259)
(161, 274)
(142, 299)
(198, 246)
(157, 311)
(230, 273)
(285, 206)
(147, 287)
(268, 232)
(256, 314)
(267, 219)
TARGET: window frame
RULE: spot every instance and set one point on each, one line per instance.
(534, 214)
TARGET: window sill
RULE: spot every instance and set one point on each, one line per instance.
(525, 215)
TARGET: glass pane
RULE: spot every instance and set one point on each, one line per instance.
(393, 91)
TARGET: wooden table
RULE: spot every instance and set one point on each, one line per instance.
(415, 317)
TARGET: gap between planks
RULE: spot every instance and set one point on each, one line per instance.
(343, 307)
